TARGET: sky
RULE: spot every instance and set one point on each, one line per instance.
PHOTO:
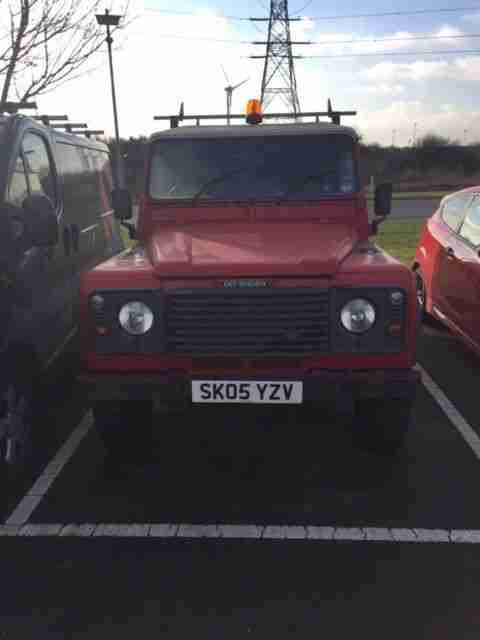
(161, 59)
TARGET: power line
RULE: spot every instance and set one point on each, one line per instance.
(401, 39)
(394, 53)
(379, 40)
(397, 13)
(191, 14)
(329, 17)
(319, 42)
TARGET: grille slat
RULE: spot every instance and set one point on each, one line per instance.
(266, 322)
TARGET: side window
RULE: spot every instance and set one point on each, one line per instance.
(17, 189)
(453, 211)
(104, 179)
(471, 226)
(81, 191)
(38, 166)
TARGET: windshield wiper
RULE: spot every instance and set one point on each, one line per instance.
(303, 180)
(218, 179)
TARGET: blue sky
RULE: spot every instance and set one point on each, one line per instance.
(155, 71)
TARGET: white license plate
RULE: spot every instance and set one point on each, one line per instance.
(241, 391)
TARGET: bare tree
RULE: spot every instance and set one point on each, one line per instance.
(44, 43)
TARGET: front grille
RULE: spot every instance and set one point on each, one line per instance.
(258, 322)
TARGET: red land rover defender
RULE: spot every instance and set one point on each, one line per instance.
(254, 281)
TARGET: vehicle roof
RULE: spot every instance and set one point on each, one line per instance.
(17, 120)
(247, 130)
(466, 191)
(475, 189)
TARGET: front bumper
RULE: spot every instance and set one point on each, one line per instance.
(322, 387)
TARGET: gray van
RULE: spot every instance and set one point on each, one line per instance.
(56, 222)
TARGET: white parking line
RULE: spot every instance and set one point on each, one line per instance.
(261, 533)
(455, 417)
(29, 503)
(17, 524)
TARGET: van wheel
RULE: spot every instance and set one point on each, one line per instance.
(125, 427)
(16, 424)
(381, 425)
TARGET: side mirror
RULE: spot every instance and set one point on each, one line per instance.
(383, 199)
(39, 220)
(122, 204)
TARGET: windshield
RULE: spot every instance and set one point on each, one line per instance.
(280, 167)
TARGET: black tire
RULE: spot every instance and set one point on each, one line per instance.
(125, 428)
(421, 289)
(17, 411)
(381, 426)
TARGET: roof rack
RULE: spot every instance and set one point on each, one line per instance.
(334, 116)
(69, 126)
(13, 107)
(45, 119)
(92, 132)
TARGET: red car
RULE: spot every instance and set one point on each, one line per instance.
(447, 265)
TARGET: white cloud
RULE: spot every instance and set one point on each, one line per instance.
(379, 89)
(448, 120)
(419, 70)
(155, 73)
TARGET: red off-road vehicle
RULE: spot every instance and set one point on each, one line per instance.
(254, 281)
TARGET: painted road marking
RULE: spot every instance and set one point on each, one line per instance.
(261, 533)
(29, 503)
(17, 523)
(455, 417)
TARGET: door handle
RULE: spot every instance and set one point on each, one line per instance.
(75, 231)
(67, 240)
(450, 252)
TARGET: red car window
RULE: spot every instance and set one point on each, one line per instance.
(454, 209)
(471, 226)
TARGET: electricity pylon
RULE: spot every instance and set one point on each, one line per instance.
(279, 72)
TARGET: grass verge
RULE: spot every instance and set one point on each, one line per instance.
(399, 238)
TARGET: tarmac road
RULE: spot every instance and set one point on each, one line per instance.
(418, 208)
(333, 541)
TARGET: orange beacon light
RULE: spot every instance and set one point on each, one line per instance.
(254, 112)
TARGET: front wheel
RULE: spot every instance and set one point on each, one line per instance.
(125, 427)
(422, 297)
(381, 425)
(16, 421)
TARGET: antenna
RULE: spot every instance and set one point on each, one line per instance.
(229, 89)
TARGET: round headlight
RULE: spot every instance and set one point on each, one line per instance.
(357, 315)
(136, 318)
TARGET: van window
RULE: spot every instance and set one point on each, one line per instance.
(81, 191)
(104, 178)
(38, 166)
(471, 227)
(17, 189)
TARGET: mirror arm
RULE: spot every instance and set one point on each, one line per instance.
(132, 231)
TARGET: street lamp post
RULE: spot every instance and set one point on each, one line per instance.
(110, 20)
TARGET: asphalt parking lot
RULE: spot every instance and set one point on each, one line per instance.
(420, 208)
(310, 535)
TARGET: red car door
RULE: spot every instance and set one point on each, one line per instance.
(444, 270)
(464, 293)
